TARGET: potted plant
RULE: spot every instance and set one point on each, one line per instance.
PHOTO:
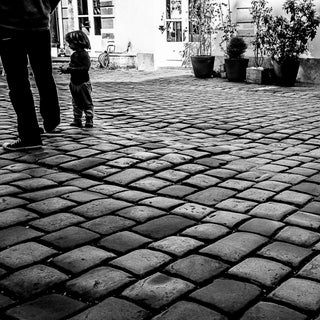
(287, 37)
(227, 27)
(236, 64)
(204, 20)
(257, 73)
(228, 30)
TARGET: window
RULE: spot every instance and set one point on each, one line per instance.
(84, 25)
(174, 20)
(96, 7)
(82, 7)
(96, 17)
(107, 22)
(174, 31)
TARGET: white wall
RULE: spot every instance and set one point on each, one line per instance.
(135, 22)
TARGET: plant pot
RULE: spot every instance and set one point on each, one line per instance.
(236, 69)
(202, 66)
(286, 72)
(260, 75)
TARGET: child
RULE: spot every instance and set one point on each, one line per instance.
(80, 85)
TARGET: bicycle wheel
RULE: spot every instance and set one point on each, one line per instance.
(104, 59)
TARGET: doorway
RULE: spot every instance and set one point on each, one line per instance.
(176, 24)
(95, 18)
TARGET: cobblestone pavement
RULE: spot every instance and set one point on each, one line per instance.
(190, 199)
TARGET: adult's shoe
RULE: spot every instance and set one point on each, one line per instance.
(19, 145)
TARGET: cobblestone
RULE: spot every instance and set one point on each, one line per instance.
(48, 193)
(298, 236)
(124, 241)
(24, 254)
(192, 210)
(127, 176)
(190, 311)
(141, 213)
(107, 225)
(33, 280)
(304, 219)
(229, 295)
(263, 271)
(301, 293)
(197, 268)
(307, 187)
(70, 237)
(271, 311)
(164, 226)
(14, 216)
(141, 261)
(98, 282)
(236, 205)
(157, 290)
(56, 222)
(188, 199)
(82, 258)
(176, 245)
(34, 184)
(51, 205)
(264, 227)
(113, 309)
(16, 234)
(46, 308)
(312, 269)
(162, 203)
(206, 231)
(211, 196)
(285, 252)
(10, 202)
(99, 208)
(235, 246)
(256, 195)
(272, 210)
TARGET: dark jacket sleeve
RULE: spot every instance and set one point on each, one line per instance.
(53, 4)
(80, 62)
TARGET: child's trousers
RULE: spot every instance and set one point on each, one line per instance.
(82, 101)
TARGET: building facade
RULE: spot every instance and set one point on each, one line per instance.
(157, 27)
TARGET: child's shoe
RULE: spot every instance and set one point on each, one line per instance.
(76, 123)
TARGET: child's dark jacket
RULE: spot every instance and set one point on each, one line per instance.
(79, 67)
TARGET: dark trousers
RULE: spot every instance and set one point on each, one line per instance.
(82, 101)
(16, 48)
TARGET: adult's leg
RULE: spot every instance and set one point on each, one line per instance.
(15, 63)
(39, 52)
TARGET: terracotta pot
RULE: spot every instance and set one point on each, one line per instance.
(286, 72)
(203, 66)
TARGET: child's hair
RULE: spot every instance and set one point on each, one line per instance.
(79, 39)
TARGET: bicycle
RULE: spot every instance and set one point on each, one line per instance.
(104, 57)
